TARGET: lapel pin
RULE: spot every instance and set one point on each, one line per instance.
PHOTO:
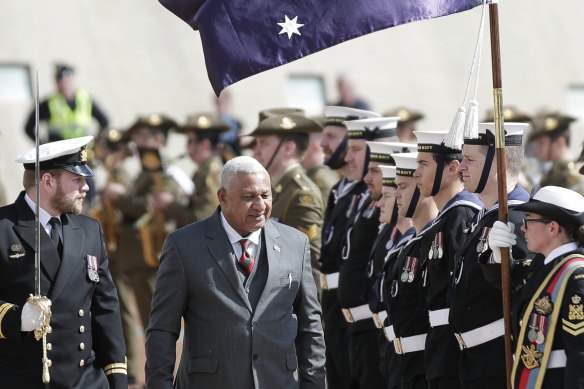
(277, 248)
(16, 248)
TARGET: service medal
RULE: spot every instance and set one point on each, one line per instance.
(389, 245)
(411, 277)
(92, 268)
(532, 335)
(440, 252)
(431, 253)
(480, 246)
(485, 246)
(540, 338)
(404, 276)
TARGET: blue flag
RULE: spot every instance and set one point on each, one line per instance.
(245, 37)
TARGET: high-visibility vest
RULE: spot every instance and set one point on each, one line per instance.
(65, 123)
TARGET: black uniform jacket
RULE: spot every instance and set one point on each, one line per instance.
(86, 341)
(333, 230)
(476, 301)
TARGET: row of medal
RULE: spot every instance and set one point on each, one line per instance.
(409, 269)
(436, 251)
(537, 324)
(483, 245)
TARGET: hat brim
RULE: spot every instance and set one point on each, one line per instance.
(80, 170)
(552, 212)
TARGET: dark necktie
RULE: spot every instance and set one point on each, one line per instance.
(54, 222)
(247, 260)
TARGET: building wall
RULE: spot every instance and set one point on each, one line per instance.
(136, 57)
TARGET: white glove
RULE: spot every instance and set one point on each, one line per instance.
(32, 317)
(501, 235)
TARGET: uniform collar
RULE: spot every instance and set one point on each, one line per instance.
(44, 216)
(563, 249)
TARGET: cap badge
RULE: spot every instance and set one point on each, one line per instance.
(204, 122)
(287, 123)
(551, 124)
(155, 120)
(84, 154)
(403, 114)
(576, 299)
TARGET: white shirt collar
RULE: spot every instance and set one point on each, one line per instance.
(44, 216)
(563, 249)
(235, 237)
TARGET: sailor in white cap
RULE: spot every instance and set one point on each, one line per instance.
(334, 143)
(476, 308)
(548, 305)
(362, 230)
(400, 233)
(86, 346)
(437, 175)
(409, 322)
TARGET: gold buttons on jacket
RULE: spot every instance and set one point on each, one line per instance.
(49, 346)
(82, 329)
(81, 313)
(81, 363)
(81, 346)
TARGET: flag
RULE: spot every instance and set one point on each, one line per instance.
(244, 37)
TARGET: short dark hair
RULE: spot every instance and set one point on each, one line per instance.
(301, 141)
(28, 179)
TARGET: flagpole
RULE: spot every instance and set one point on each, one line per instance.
(501, 180)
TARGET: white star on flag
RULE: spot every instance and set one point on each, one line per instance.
(290, 26)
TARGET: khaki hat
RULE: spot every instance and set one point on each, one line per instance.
(286, 124)
(203, 122)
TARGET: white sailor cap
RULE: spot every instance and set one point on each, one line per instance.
(433, 142)
(559, 204)
(513, 134)
(381, 151)
(405, 163)
(388, 173)
(68, 154)
(372, 128)
(335, 115)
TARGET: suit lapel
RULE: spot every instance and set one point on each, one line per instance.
(25, 229)
(73, 243)
(273, 252)
(220, 250)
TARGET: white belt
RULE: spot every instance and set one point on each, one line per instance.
(439, 317)
(480, 335)
(557, 359)
(389, 333)
(379, 318)
(329, 281)
(361, 312)
(409, 344)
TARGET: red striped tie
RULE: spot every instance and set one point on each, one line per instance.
(247, 260)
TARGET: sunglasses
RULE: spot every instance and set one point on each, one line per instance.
(525, 220)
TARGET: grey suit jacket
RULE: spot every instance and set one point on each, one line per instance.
(226, 343)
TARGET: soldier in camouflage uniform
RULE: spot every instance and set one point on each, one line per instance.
(203, 135)
(296, 200)
(552, 134)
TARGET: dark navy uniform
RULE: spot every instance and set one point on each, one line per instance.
(363, 332)
(87, 335)
(568, 338)
(335, 325)
(408, 314)
(439, 247)
(476, 302)
(389, 360)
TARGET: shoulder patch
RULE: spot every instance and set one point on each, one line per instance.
(578, 276)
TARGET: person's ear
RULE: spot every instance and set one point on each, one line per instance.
(222, 196)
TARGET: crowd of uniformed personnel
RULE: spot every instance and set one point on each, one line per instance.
(398, 222)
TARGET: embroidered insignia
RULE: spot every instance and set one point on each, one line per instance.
(578, 276)
(16, 256)
(16, 247)
(306, 199)
(576, 299)
(572, 328)
(576, 312)
(278, 188)
(530, 356)
(543, 305)
(311, 232)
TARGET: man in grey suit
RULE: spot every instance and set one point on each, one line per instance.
(244, 287)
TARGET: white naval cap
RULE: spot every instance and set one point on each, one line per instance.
(68, 154)
(432, 142)
(388, 173)
(381, 151)
(513, 134)
(372, 128)
(405, 163)
(335, 115)
(559, 204)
